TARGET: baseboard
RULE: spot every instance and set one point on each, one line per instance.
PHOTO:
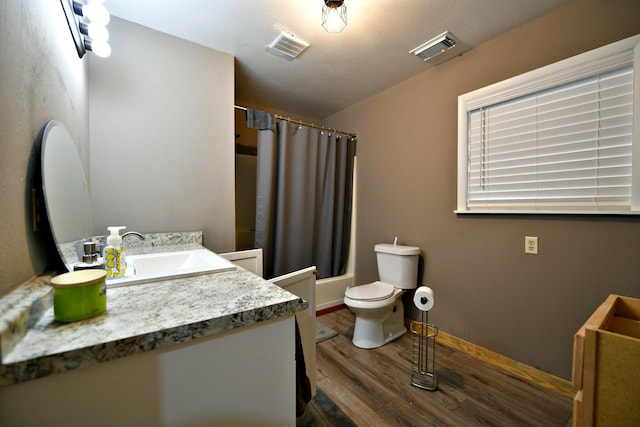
(330, 309)
(520, 369)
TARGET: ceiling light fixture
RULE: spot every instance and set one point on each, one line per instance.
(87, 20)
(334, 16)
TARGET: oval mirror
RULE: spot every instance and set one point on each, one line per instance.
(65, 190)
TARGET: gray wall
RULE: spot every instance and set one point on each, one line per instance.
(161, 125)
(162, 136)
(41, 78)
(487, 290)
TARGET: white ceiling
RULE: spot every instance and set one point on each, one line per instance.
(339, 69)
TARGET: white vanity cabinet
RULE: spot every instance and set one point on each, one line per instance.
(209, 350)
(244, 377)
(303, 284)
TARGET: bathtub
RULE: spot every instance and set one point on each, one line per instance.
(330, 291)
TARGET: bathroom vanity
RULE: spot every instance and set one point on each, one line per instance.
(213, 349)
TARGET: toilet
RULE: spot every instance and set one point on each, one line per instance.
(378, 305)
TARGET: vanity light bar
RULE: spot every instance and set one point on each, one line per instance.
(87, 22)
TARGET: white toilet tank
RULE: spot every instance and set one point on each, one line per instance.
(398, 265)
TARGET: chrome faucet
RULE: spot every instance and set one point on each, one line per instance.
(134, 233)
(101, 242)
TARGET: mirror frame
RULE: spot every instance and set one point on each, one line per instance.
(65, 190)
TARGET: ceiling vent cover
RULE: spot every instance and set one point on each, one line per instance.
(435, 46)
(288, 45)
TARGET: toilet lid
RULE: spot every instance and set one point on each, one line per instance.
(372, 292)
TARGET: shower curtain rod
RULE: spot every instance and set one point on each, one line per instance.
(300, 122)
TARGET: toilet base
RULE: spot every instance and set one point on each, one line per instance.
(372, 331)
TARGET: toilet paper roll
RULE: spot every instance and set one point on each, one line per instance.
(423, 298)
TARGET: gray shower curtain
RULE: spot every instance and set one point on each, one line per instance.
(304, 199)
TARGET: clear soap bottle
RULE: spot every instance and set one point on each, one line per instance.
(114, 254)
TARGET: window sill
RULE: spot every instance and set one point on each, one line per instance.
(545, 212)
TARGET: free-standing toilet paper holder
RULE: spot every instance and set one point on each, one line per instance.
(423, 373)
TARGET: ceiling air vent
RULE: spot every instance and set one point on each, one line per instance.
(288, 45)
(435, 46)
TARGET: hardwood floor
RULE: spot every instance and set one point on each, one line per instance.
(373, 386)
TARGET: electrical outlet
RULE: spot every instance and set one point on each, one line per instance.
(530, 245)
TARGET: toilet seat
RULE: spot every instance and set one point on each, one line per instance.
(376, 291)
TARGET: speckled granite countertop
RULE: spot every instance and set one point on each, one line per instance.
(139, 318)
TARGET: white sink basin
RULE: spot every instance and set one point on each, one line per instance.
(170, 265)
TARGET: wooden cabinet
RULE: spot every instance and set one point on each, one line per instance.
(606, 365)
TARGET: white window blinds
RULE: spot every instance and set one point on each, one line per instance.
(559, 139)
(565, 147)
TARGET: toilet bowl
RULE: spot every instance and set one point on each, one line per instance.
(378, 306)
(379, 319)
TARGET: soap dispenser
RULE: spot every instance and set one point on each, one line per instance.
(114, 254)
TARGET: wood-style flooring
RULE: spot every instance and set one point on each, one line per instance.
(373, 387)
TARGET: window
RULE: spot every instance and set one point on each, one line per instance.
(559, 139)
